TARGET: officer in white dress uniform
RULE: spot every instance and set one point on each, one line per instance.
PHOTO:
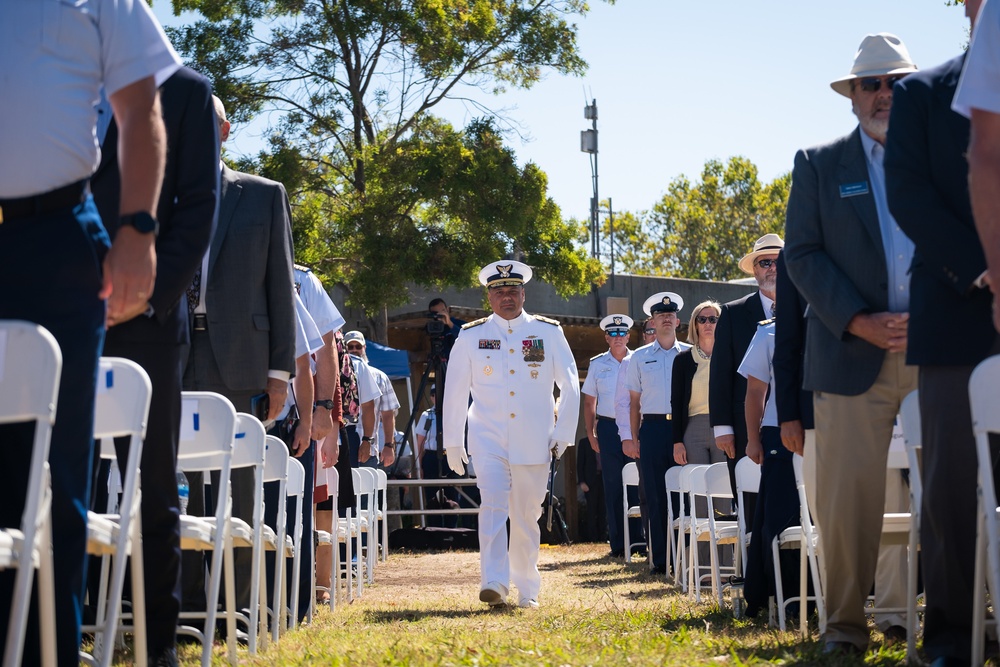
(509, 362)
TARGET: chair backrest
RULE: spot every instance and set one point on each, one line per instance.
(800, 486)
(30, 364)
(382, 480)
(275, 459)
(687, 473)
(984, 399)
(716, 481)
(249, 442)
(364, 484)
(296, 484)
(333, 485)
(123, 396)
(208, 428)
(672, 479)
(630, 474)
(747, 476)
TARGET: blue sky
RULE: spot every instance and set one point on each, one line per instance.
(681, 82)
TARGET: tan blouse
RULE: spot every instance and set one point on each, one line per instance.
(699, 385)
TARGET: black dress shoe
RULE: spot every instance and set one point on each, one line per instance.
(846, 649)
(894, 634)
(658, 571)
(616, 553)
(164, 658)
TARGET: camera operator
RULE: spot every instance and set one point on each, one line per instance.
(441, 311)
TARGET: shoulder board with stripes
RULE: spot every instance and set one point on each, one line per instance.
(475, 323)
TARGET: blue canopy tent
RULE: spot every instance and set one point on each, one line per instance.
(394, 363)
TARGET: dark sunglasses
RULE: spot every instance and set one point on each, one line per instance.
(702, 319)
(354, 347)
(617, 334)
(872, 84)
(765, 263)
(649, 332)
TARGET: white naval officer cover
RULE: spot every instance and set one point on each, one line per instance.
(510, 368)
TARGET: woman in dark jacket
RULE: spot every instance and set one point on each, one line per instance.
(694, 442)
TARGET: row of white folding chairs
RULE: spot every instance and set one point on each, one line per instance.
(215, 439)
(984, 399)
(689, 528)
(363, 533)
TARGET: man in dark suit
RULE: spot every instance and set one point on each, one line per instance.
(243, 333)
(950, 332)
(849, 260)
(727, 389)
(185, 211)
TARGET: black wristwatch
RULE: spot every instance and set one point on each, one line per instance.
(143, 222)
(366, 438)
(328, 404)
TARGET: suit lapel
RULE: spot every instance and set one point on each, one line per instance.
(229, 195)
(854, 169)
(754, 312)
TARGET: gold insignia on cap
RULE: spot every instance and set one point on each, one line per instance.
(618, 320)
(504, 271)
(666, 301)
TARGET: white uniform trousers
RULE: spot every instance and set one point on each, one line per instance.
(517, 492)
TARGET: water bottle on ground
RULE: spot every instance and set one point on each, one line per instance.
(183, 491)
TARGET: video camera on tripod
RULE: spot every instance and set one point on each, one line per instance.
(436, 326)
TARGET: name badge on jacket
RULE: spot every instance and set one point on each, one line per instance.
(853, 189)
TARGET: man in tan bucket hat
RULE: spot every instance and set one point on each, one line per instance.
(849, 259)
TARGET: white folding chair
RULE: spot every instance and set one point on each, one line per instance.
(249, 446)
(364, 485)
(747, 481)
(276, 470)
(984, 399)
(684, 525)
(630, 477)
(122, 406)
(801, 537)
(909, 416)
(712, 483)
(672, 481)
(207, 433)
(295, 489)
(342, 534)
(30, 364)
(383, 516)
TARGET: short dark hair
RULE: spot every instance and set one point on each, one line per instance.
(437, 302)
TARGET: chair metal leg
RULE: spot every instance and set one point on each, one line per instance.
(779, 593)
(139, 646)
(46, 595)
(979, 589)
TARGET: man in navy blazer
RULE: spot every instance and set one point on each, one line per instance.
(155, 340)
(950, 332)
(849, 261)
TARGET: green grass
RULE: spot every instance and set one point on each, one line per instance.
(424, 610)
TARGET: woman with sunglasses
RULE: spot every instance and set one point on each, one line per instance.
(693, 438)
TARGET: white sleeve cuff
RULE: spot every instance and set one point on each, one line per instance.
(723, 430)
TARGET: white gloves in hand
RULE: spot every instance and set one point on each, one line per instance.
(558, 448)
(457, 458)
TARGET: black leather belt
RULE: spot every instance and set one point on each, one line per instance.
(607, 419)
(657, 417)
(200, 322)
(67, 196)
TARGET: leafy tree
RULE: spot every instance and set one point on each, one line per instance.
(383, 192)
(701, 229)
